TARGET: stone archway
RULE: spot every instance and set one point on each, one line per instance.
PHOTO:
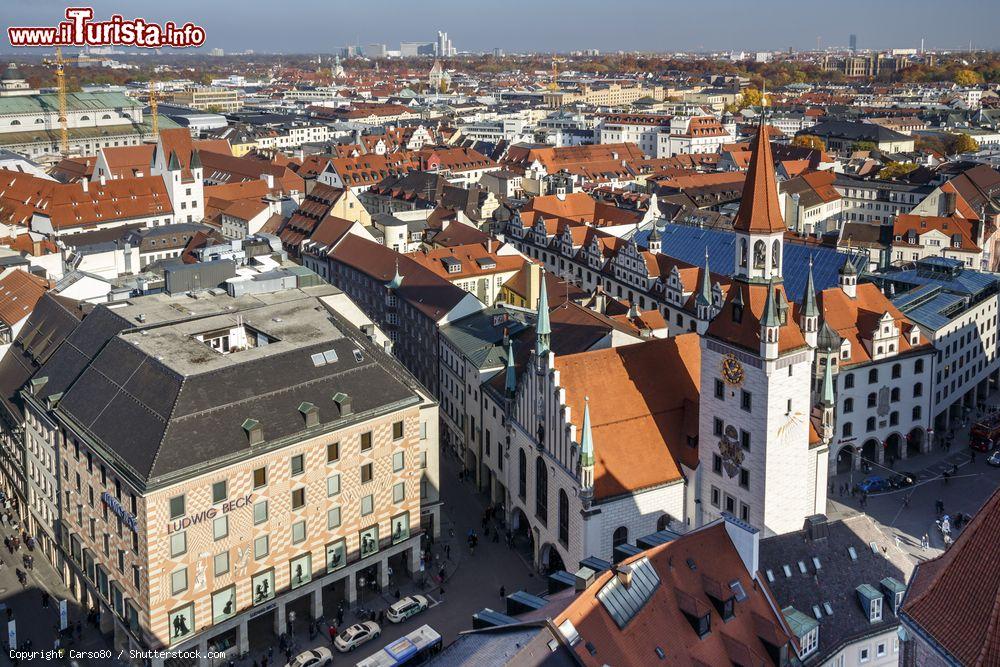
(846, 458)
(549, 559)
(893, 447)
(871, 452)
(915, 442)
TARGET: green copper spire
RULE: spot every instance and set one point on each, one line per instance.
(705, 288)
(809, 308)
(770, 308)
(510, 383)
(828, 385)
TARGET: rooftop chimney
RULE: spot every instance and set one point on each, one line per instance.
(816, 527)
(624, 574)
(343, 402)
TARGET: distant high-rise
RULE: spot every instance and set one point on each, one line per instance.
(854, 43)
(444, 48)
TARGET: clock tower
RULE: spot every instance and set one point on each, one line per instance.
(759, 453)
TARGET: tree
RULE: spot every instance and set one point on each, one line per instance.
(967, 77)
(863, 146)
(896, 169)
(750, 97)
(965, 144)
(809, 141)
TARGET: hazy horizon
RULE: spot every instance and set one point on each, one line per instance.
(322, 26)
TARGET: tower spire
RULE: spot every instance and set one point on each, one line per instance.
(542, 327)
(510, 381)
(705, 287)
(759, 210)
(586, 458)
(809, 308)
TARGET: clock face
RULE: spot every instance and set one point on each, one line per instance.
(732, 371)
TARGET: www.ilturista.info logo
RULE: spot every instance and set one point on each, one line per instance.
(80, 30)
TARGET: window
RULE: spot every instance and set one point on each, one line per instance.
(177, 507)
(259, 478)
(880, 651)
(720, 389)
(870, 424)
(873, 376)
(220, 491)
(260, 547)
(847, 430)
(333, 518)
(366, 473)
(332, 485)
(619, 537)
(916, 412)
(397, 430)
(896, 371)
(863, 655)
(366, 441)
(398, 461)
(398, 492)
(894, 395)
(298, 464)
(745, 440)
(178, 543)
(744, 478)
(178, 581)
(298, 532)
(849, 381)
(298, 498)
(541, 489)
(333, 452)
(918, 390)
(715, 497)
(522, 474)
(848, 405)
(259, 512)
(220, 527)
(367, 505)
(716, 464)
(918, 366)
(872, 399)
(563, 518)
(220, 564)
(746, 400)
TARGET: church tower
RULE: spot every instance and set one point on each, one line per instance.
(759, 453)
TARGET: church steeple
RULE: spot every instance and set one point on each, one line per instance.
(810, 311)
(759, 225)
(703, 301)
(510, 381)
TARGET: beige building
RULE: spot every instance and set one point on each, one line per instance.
(207, 98)
(612, 95)
(245, 464)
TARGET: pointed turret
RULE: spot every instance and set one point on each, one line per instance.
(703, 300)
(173, 164)
(586, 458)
(542, 327)
(759, 210)
(195, 159)
(810, 311)
(653, 241)
(848, 278)
(510, 381)
(827, 404)
(770, 324)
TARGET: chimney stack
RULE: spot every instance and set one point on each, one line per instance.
(950, 201)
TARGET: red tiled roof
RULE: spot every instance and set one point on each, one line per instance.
(19, 292)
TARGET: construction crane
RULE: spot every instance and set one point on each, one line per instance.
(152, 110)
(61, 85)
(554, 84)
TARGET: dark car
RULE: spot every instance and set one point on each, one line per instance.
(994, 458)
(903, 479)
(874, 484)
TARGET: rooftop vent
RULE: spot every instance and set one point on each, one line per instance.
(254, 431)
(310, 413)
(343, 402)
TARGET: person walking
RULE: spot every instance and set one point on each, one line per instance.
(333, 632)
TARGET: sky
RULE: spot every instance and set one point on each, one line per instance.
(321, 26)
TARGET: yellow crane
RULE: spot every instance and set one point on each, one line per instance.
(554, 84)
(61, 86)
(152, 110)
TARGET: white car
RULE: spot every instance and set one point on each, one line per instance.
(356, 635)
(317, 657)
(408, 606)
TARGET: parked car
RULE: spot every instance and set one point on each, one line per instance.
(407, 607)
(874, 484)
(903, 479)
(994, 458)
(317, 657)
(356, 635)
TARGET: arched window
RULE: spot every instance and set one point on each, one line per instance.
(872, 400)
(918, 389)
(84, 117)
(870, 424)
(39, 121)
(663, 523)
(522, 474)
(15, 122)
(897, 371)
(776, 255)
(918, 366)
(847, 430)
(873, 376)
(620, 536)
(894, 394)
(848, 405)
(563, 518)
(106, 116)
(759, 255)
(743, 253)
(541, 489)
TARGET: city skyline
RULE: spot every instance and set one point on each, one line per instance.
(634, 25)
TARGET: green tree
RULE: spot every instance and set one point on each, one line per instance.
(750, 97)
(965, 144)
(809, 141)
(967, 77)
(896, 169)
(863, 146)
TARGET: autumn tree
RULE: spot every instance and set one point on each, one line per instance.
(863, 146)
(809, 141)
(967, 77)
(896, 170)
(965, 144)
(750, 97)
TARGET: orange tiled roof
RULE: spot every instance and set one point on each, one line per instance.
(468, 255)
(746, 332)
(855, 319)
(922, 224)
(642, 435)
(19, 292)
